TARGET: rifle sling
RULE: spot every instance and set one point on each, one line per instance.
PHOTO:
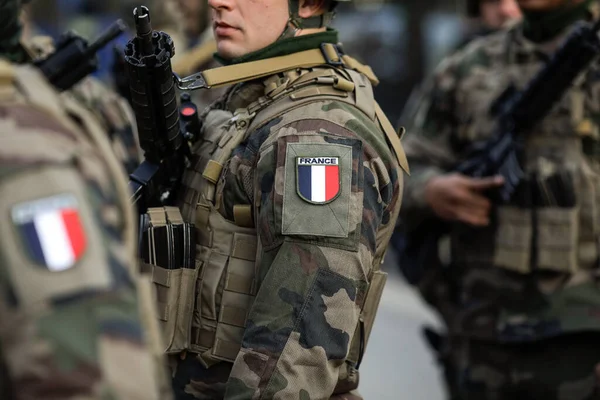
(326, 55)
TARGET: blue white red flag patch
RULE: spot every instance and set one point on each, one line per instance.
(318, 178)
(51, 231)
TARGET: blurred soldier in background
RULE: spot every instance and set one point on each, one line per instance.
(75, 321)
(110, 109)
(489, 16)
(519, 293)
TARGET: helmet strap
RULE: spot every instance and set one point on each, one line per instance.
(296, 23)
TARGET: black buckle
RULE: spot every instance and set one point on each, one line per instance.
(338, 51)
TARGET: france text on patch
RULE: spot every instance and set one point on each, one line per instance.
(318, 178)
(51, 231)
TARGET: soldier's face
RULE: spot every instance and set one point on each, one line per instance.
(544, 5)
(495, 13)
(244, 26)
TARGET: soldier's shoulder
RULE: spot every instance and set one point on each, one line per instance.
(107, 105)
(322, 117)
(34, 129)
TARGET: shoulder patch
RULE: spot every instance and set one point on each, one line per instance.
(53, 244)
(51, 231)
(318, 178)
(317, 189)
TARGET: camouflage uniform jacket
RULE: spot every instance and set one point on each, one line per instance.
(72, 313)
(502, 296)
(315, 253)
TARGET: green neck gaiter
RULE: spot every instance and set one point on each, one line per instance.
(10, 30)
(542, 26)
(284, 47)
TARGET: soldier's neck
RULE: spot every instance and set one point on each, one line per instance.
(544, 26)
(287, 46)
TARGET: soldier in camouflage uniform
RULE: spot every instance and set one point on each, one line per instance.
(522, 303)
(294, 189)
(75, 322)
(110, 109)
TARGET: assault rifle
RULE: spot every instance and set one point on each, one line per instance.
(163, 137)
(74, 58)
(516, 113)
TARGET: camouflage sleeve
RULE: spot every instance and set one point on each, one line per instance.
(429, 137)
(322, 197)
(70, 324)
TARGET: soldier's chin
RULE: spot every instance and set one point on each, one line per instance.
(228, 49)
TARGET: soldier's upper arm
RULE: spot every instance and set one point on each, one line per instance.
(325, 186)
(69, 316)
(324, 194)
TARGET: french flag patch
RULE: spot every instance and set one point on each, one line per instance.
(318, 178)
(51, 231)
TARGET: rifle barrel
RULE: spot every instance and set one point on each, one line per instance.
(143, 29)
(114, 30)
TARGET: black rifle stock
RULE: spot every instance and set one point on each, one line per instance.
(74, 59)
(516, 113)
(153, 98)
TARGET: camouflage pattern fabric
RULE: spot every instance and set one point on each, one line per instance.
(529, 371)
(112, 110)
(116, 116)
(313, 261)
(485, 298)
(71, 322)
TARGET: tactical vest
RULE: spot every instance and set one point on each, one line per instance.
(203, 308)
(553, 223)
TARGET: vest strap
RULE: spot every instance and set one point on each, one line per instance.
(327, 54)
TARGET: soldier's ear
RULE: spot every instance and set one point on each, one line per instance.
(311, 8)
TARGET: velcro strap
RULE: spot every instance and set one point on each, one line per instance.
(239, 283)
(363, 69)
(244, 247)
(242, 215)
(173, 215)
(204, 338)
(226, 349)
(212, 171)
(233, 316)
(313, 91)
(161, 276)
(343, 84)
(157, 216)
(393, 138)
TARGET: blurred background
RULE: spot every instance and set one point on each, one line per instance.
(402, 41)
